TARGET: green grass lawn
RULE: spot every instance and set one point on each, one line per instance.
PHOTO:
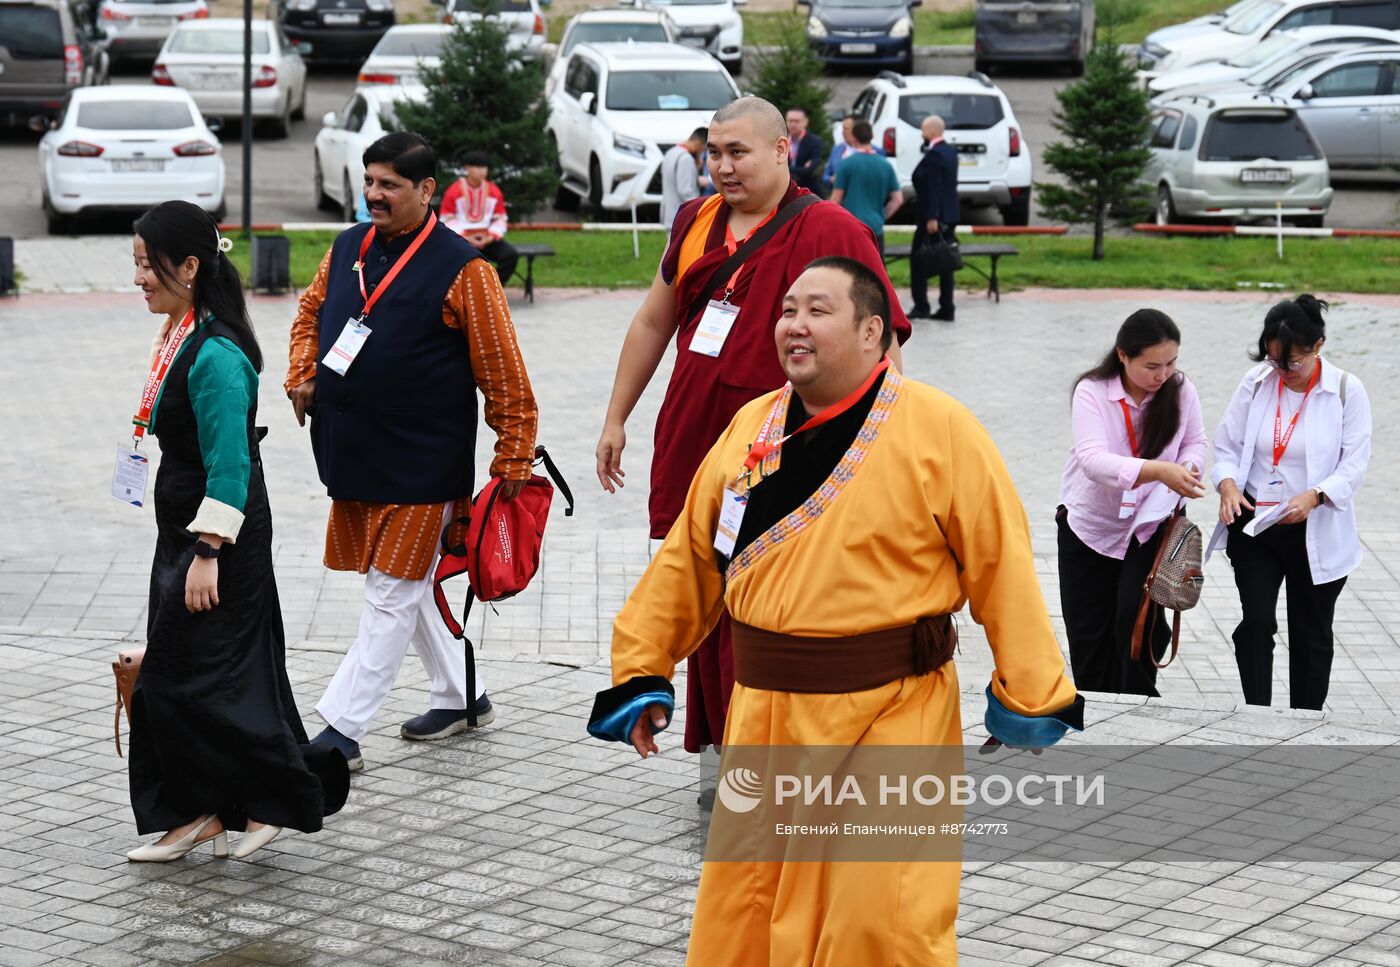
(604, 260)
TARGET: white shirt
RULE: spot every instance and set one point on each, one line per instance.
(680, 182)
(1335, 441)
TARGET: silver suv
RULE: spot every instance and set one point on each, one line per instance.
(1235, 159)
(1351, 102)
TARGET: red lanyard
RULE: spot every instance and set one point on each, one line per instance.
(761, 449)
(1281, 436)
(1128, 422)
(732, 244)
(168, 350)
(370, 300)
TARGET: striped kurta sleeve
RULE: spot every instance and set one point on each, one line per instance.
(301, 362)
(223, 386)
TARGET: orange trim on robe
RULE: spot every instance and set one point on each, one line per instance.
(693, 245)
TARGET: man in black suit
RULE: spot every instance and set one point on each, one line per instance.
(936, 185)
(807, 155)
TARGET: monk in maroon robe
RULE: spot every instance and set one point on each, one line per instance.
(748, 151)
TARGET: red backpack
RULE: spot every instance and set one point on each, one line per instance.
(502, 549)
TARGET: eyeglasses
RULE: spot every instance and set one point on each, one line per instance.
(1293, 365)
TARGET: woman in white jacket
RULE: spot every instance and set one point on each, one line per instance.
(1294, 444)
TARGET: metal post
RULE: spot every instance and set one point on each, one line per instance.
(1278, 226)
(247, 118)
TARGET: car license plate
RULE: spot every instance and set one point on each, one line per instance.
(1278, 176)
(693, 41)
(138, 164)
(154, 21)
(857, 48)
(1027, 17)
(340, 18)
(212, 82)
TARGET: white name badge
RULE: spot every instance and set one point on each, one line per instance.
(731, 516)
(1271, 494)
(1127, 506)
(347, 347)
(130, 475)
(713, 329)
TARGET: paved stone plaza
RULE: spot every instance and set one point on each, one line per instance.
(531, 844)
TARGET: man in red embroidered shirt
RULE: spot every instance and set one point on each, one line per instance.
(475, 209)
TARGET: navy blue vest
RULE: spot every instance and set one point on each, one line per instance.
(400, 426)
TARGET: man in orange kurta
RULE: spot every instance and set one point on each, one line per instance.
(394, 433)
(844, 549)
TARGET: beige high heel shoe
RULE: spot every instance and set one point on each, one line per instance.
(251, 842)
(155, 853)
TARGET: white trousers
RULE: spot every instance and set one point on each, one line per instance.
(396, 612)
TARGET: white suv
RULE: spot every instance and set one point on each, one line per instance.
(620, 107)
(713, 26)
(994, 161)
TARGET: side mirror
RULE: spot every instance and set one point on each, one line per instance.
(213, 123)
(588, 102)
(40, 123)
(1306, 93)
(329, 119)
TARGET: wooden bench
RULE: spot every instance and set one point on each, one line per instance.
(529, 252)
(994, 251)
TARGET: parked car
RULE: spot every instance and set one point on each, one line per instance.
(1197, 25)
(1351, 103)
(402, 52)
(124, 149)
(136, 29)
(620, 108)
(994, 162)
(863, 32)
(522, 19)
(1255, 23)
(713, 26)
(1033, 31)
(1235, 160)
(205, 57)
(339, 171)
(47, 48)
(1269, 57)
(335, 30)
(605, 26)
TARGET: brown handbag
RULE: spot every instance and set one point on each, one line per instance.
(126, 668)
(1174, 582)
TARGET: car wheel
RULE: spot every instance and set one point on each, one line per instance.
(221, 213)
(907, 66)
(281, 125)
(1309, 221)
(735, 67)
(57, 223)
(324, 202)
(1019, 211)
(1076, 68)
(1166, 208)
(982, 66)
(299, 114)
(565, 199)
(347, 207)
(595, 183)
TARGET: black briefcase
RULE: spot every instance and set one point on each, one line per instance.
(938, 254)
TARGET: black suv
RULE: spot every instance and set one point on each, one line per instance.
(336, 30)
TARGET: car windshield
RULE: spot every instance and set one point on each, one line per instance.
(415, 44)
(967, 111)
(1273, 77)
(1280, 136)
(1265, 50)
(864, 3)
(1252, 18)
(215, 42)
(689, 3)
(107, 115)
(31, 33)
(602, 33)
(668, 91)
(492, 6)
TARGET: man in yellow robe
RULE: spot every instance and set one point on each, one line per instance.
(840, 549)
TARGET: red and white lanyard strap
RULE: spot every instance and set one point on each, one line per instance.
(762, 448)
(1282, 436)
(732, 244)
(398, 266)
(1128, 422)
(174, 339)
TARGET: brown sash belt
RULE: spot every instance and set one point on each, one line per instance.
(787, 663)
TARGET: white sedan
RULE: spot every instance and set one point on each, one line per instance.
(205, 57)
(126, 148)
(340, 144)
(403, 52)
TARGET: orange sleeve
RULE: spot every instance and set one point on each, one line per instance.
(305, 329)
(476, 304)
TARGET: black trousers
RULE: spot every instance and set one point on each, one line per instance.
(504, 256)
(1262, 564)
(918, 281)
(1099, 598)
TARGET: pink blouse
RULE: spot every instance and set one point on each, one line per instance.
(1101, 464)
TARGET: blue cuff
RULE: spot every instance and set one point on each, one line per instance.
(618, 724)
(1035, 731)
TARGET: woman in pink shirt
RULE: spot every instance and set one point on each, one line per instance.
(1139, 442)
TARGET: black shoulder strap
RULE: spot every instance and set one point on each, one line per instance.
(543, 456)
(751, 244)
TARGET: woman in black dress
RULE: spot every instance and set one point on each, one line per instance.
(216, 741)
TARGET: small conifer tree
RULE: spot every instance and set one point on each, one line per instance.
(789, 76)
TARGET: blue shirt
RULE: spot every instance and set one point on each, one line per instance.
(868, 180)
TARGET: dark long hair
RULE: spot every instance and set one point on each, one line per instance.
(1294, 323)
(175, 230)
(1142, 330)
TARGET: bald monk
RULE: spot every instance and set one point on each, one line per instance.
(722, 323)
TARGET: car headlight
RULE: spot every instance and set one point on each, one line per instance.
(380, 6)
(632, 146)
(902, 28)
(815, 28)
(734, 23)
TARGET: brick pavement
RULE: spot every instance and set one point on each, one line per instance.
(476, 853)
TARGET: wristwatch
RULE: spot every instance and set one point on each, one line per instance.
(1321, 497)
(205, 549)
